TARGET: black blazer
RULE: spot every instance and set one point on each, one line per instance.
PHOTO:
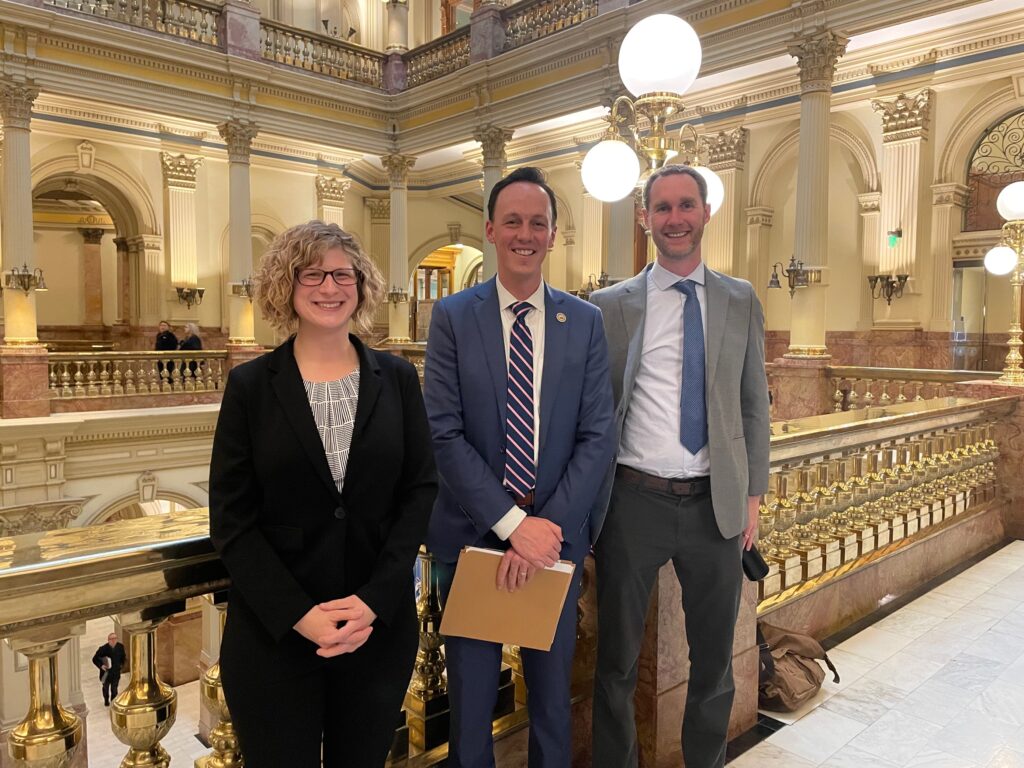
(288, 539)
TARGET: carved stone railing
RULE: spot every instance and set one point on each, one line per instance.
(438, 57)
(321, 54)
(193, 20)
(115, 374)
(533, 19)
(860, 387)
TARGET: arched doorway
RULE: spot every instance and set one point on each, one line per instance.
(440, 273)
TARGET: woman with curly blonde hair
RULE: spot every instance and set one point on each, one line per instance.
(321, 484)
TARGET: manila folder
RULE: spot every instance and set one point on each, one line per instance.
(528, 617)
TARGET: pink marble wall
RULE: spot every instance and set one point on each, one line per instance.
(24, 382)
(800, 387)
(878, 348)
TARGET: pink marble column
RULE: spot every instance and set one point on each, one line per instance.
(801, 387)
(24, 382)
(92, 279)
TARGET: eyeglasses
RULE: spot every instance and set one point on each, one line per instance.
(314, 277)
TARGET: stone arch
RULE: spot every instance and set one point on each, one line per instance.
(261, 225)
(112, 506)
(969, 129)
(126, 199)
(427, 247)
(789, 143)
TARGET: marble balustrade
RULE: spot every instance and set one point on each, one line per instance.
(114, 374)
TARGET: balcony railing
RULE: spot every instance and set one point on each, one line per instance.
(321, 54)
(193, 20)
(438, 57)
(533, 19)
(115, 374)
(861, 387)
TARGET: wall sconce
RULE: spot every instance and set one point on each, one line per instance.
(887, 287)
(796, 275)
(243, 288)
(25, 279)
(397, 296)
(590, 286)
(189, 296)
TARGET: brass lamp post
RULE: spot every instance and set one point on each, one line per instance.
(1008, 258)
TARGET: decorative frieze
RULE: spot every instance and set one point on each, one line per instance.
(710, 110)
(86, 156)
(41, 516)
(906, 117)
(760, 216)
(330, 190)
(16, 100)
(398, 167)
(725, 150)
(493, 141)
(238, 135)
(817, 57)
(954, 194)
(380, 208)
(869, 202)
(180, 170)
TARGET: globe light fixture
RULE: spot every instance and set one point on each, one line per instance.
(1008, 258)
(659, 59)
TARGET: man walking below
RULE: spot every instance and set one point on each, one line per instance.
(109, 658)
(686, 352)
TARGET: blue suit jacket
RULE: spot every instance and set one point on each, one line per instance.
(464, 388)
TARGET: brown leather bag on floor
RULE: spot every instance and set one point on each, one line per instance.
(789, 674)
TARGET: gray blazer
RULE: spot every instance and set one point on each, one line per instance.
(737, 387)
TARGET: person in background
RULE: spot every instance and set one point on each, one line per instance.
(166, 341)
(109, 659)
(321, 485)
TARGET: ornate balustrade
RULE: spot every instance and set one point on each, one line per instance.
(114, 374)
(533, 19)
(438, 57)
(415, 353)
(860, 387)
(849, 488)
(193, 20)
(321, 54)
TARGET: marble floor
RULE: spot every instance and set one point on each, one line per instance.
(938, 683)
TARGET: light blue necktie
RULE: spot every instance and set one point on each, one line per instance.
(693, 417)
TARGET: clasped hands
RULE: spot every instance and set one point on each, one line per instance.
(320, 625)
(536, 543)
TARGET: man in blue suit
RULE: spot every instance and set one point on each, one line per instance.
(520, 407)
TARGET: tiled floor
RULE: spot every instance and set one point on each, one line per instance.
(938, 683)
(105, 751)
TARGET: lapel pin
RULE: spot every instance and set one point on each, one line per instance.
(560, 317)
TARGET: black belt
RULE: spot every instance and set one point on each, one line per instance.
(523, 501)
(691, 486)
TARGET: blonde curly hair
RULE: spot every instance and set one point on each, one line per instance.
(303, 246)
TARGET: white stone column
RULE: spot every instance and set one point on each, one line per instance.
(330, 199)
(948, 204)
(492, 141)
(722, 247)
(870, 243)
(16, 237)
(816, 56)
(180, 219)
(590, 255)
(380, 246)
(238, 135)
(621, 229)
(146, 279)
(759, 230)
(398, 167)
(398, 26)
(906, 181)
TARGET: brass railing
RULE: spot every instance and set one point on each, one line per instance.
(860, 386)
(321, 54)
(438, 57)
(113, 374)
(533, 19)
(847, 488)
(193, 20)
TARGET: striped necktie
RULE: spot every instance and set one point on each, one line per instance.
(520, 468)
(693, 419)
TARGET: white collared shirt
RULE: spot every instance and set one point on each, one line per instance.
(650, 432)
(535, 322)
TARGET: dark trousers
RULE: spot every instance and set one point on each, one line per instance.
(473, 670)
(348, 707)
(110, 683)
(644, 530)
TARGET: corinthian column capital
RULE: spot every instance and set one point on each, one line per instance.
(493, 140)
(380, 208)
(398, 167)
(725, 150)
(817, 56)
(331, 189)
(905, 117)
(16, 100)
(180, 170)
(238, 135)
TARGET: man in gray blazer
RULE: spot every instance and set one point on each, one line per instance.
(686, 349)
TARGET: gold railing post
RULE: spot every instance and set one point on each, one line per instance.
(223, 739)
(49, 735)
(144, 712)
(426, 702)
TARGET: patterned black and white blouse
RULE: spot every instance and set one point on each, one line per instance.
(334, 409)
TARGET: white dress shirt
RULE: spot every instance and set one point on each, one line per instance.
(650, 433)
(535, 322)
